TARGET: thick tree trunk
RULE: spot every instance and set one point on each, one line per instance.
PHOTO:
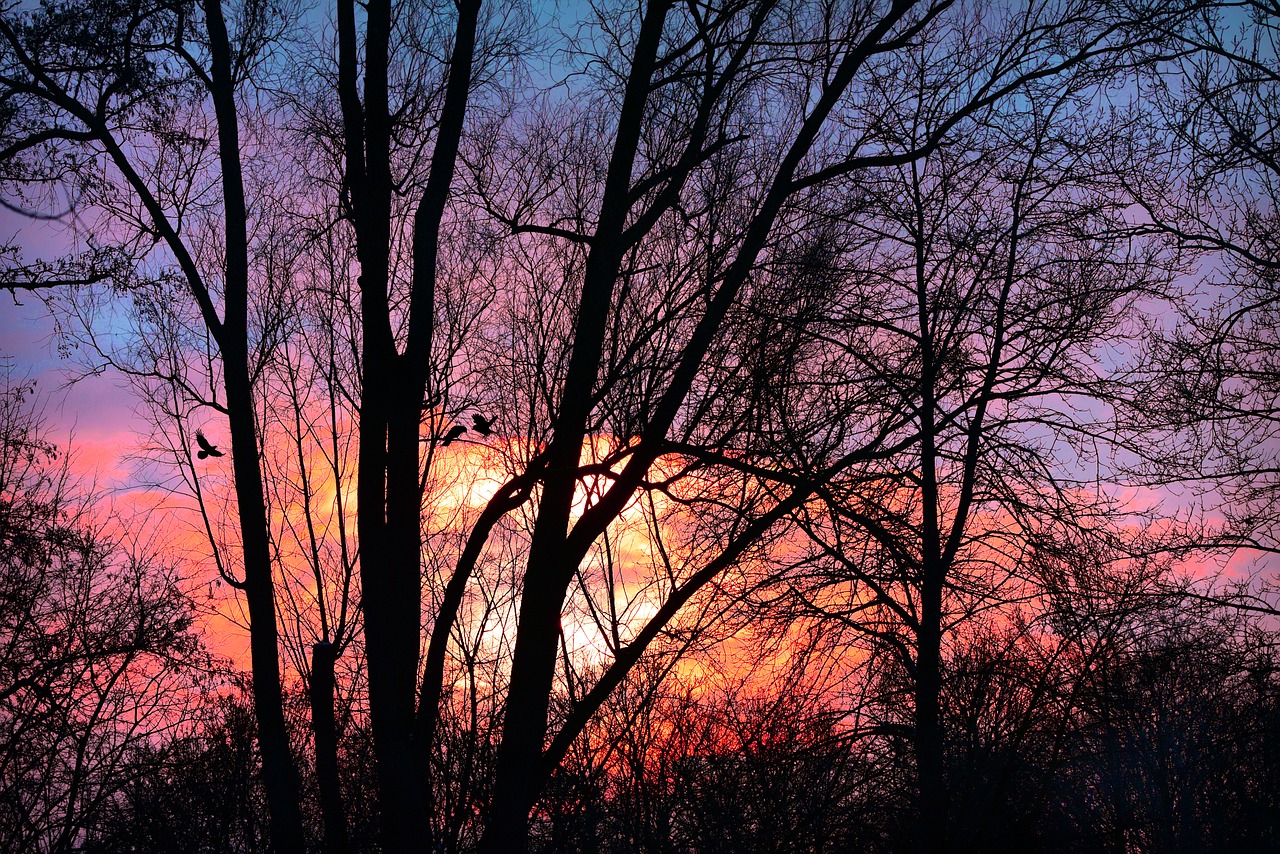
(325, 730)
(550, 566)
(518, 777)
(553, 556)
(393, 389)
(390, 602)
(389, 578)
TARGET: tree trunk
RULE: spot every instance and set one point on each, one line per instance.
(279, 773)
(518, 777)
(932, 791)
(326, 735)
(550, 567)
(391, 603)
(392, 393)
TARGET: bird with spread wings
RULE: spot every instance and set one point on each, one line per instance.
(207, 448)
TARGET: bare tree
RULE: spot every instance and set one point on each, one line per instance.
(1214, 374)
(724, 129)
(608, 299)
(128, 113)
(986, 292)
(100, 656)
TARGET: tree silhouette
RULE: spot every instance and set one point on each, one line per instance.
(761, 310)
(100, 656)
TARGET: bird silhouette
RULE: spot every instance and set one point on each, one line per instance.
(482, 425)
(457, 431)
(206, 449)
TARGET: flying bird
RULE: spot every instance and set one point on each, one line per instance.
(482, 425)
(457, 431)
(206, 449)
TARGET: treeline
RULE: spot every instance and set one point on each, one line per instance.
(759, 424)
(1164, 739)
(1149, 720)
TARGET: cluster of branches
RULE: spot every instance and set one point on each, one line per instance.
(830, 312)
(100, 654)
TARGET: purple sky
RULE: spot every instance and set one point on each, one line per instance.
(96, 414)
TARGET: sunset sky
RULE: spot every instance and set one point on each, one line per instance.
(641, 425)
